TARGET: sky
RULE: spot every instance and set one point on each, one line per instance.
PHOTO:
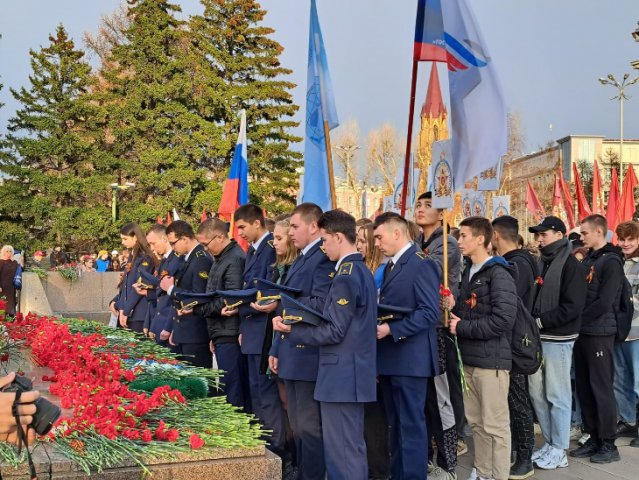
(548, 54)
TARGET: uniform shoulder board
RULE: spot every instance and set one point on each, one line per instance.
(203, 274)
(200, 254)
(345, 268)
(323, 249)
(420, 255)
(145, 263)
(270, 243)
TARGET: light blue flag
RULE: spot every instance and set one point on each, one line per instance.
(320, 106)
(478, 111)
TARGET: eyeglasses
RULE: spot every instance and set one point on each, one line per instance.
(174, 242)
(207, 243)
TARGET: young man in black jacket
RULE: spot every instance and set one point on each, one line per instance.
(505, 236)
(558, 299)
(483, 319)
(594, 350)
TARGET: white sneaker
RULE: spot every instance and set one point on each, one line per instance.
(575, 432)
(473, 474)
(584, 438)
(439, 473)
(431, 467)
(555, 458)
(540, 453)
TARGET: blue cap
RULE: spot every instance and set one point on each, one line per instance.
(295, 312)
(148, 281)
(267, 290)
(190, 300)
(240, 299)
(388, 313)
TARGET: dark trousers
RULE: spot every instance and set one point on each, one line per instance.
(344, 446)
(197, 354)
(454, 385)
(267, 407)
(304, 415)
(376, 437)
(229, 358)
(594, 375)
(135, 325)
(404, 400)
(521, 417)
(440, 419)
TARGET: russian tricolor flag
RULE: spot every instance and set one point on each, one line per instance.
(235, 191)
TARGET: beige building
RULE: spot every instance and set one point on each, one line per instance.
(541, 167)
(361, 201)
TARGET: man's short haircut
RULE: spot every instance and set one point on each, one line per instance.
(394, 219)
(479, 226)
(627, 230)
(180, 229)
(158, 229)
(425, 196)
(597, 221)
(309, 212)
(337, 221)
(213, 226)
(249, 213)
(508, 228)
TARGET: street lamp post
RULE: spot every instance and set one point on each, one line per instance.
(115, 188)
(635, 35)
(346, 154)
(621, 96)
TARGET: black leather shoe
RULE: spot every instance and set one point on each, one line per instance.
(521, 470)
(588, 449)
(626, 430)
(607, 453)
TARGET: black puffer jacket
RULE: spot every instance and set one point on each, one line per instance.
(487, 306)
(604, 273)
(226, 274)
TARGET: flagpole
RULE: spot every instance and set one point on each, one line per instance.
(327, 135)
(445, 236)
(409, 135)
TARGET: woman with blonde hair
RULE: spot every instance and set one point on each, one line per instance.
(8, 269)
(373, 257)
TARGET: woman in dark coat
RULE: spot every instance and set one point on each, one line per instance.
(131, 307)
(8, 268)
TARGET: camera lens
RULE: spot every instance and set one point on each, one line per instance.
(46, 415)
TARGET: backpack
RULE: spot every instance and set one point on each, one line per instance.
(624, 310)
(526, 342)
(17, 278)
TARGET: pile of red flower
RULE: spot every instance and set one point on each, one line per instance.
(92, 382)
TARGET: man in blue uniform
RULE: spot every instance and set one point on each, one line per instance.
(190, 336)
(407, 348)
(295, 362)
(347, 341)
(161, 311)
(265, 399)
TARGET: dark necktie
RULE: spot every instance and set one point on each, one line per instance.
(251, 251)
(388, 269)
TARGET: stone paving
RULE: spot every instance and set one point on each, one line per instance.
(578, 468)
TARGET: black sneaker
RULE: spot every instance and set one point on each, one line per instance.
(626, 430)
(607, 453)
(588, 449)
(521, 469)
(635, 443)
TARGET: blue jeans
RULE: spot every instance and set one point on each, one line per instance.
(551, 394)
(627, 379)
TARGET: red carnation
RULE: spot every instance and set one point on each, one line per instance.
(539, 281)
(196, 442)
(147, 436)
(172, 435)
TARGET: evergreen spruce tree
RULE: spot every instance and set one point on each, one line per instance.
(236, 66)
(55, 189)
(150, 125)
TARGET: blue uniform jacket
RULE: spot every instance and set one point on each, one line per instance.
(411, 348)
(192, 277)
(134, 306)
(347, 342)
(162, 309)
(312, 273)
(253, 325)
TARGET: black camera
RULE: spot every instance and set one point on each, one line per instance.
(46, 412)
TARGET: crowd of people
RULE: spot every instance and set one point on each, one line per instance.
(102, 261)
(338, 335)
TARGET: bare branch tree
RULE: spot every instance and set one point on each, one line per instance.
(110, 33)
(384, 154)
